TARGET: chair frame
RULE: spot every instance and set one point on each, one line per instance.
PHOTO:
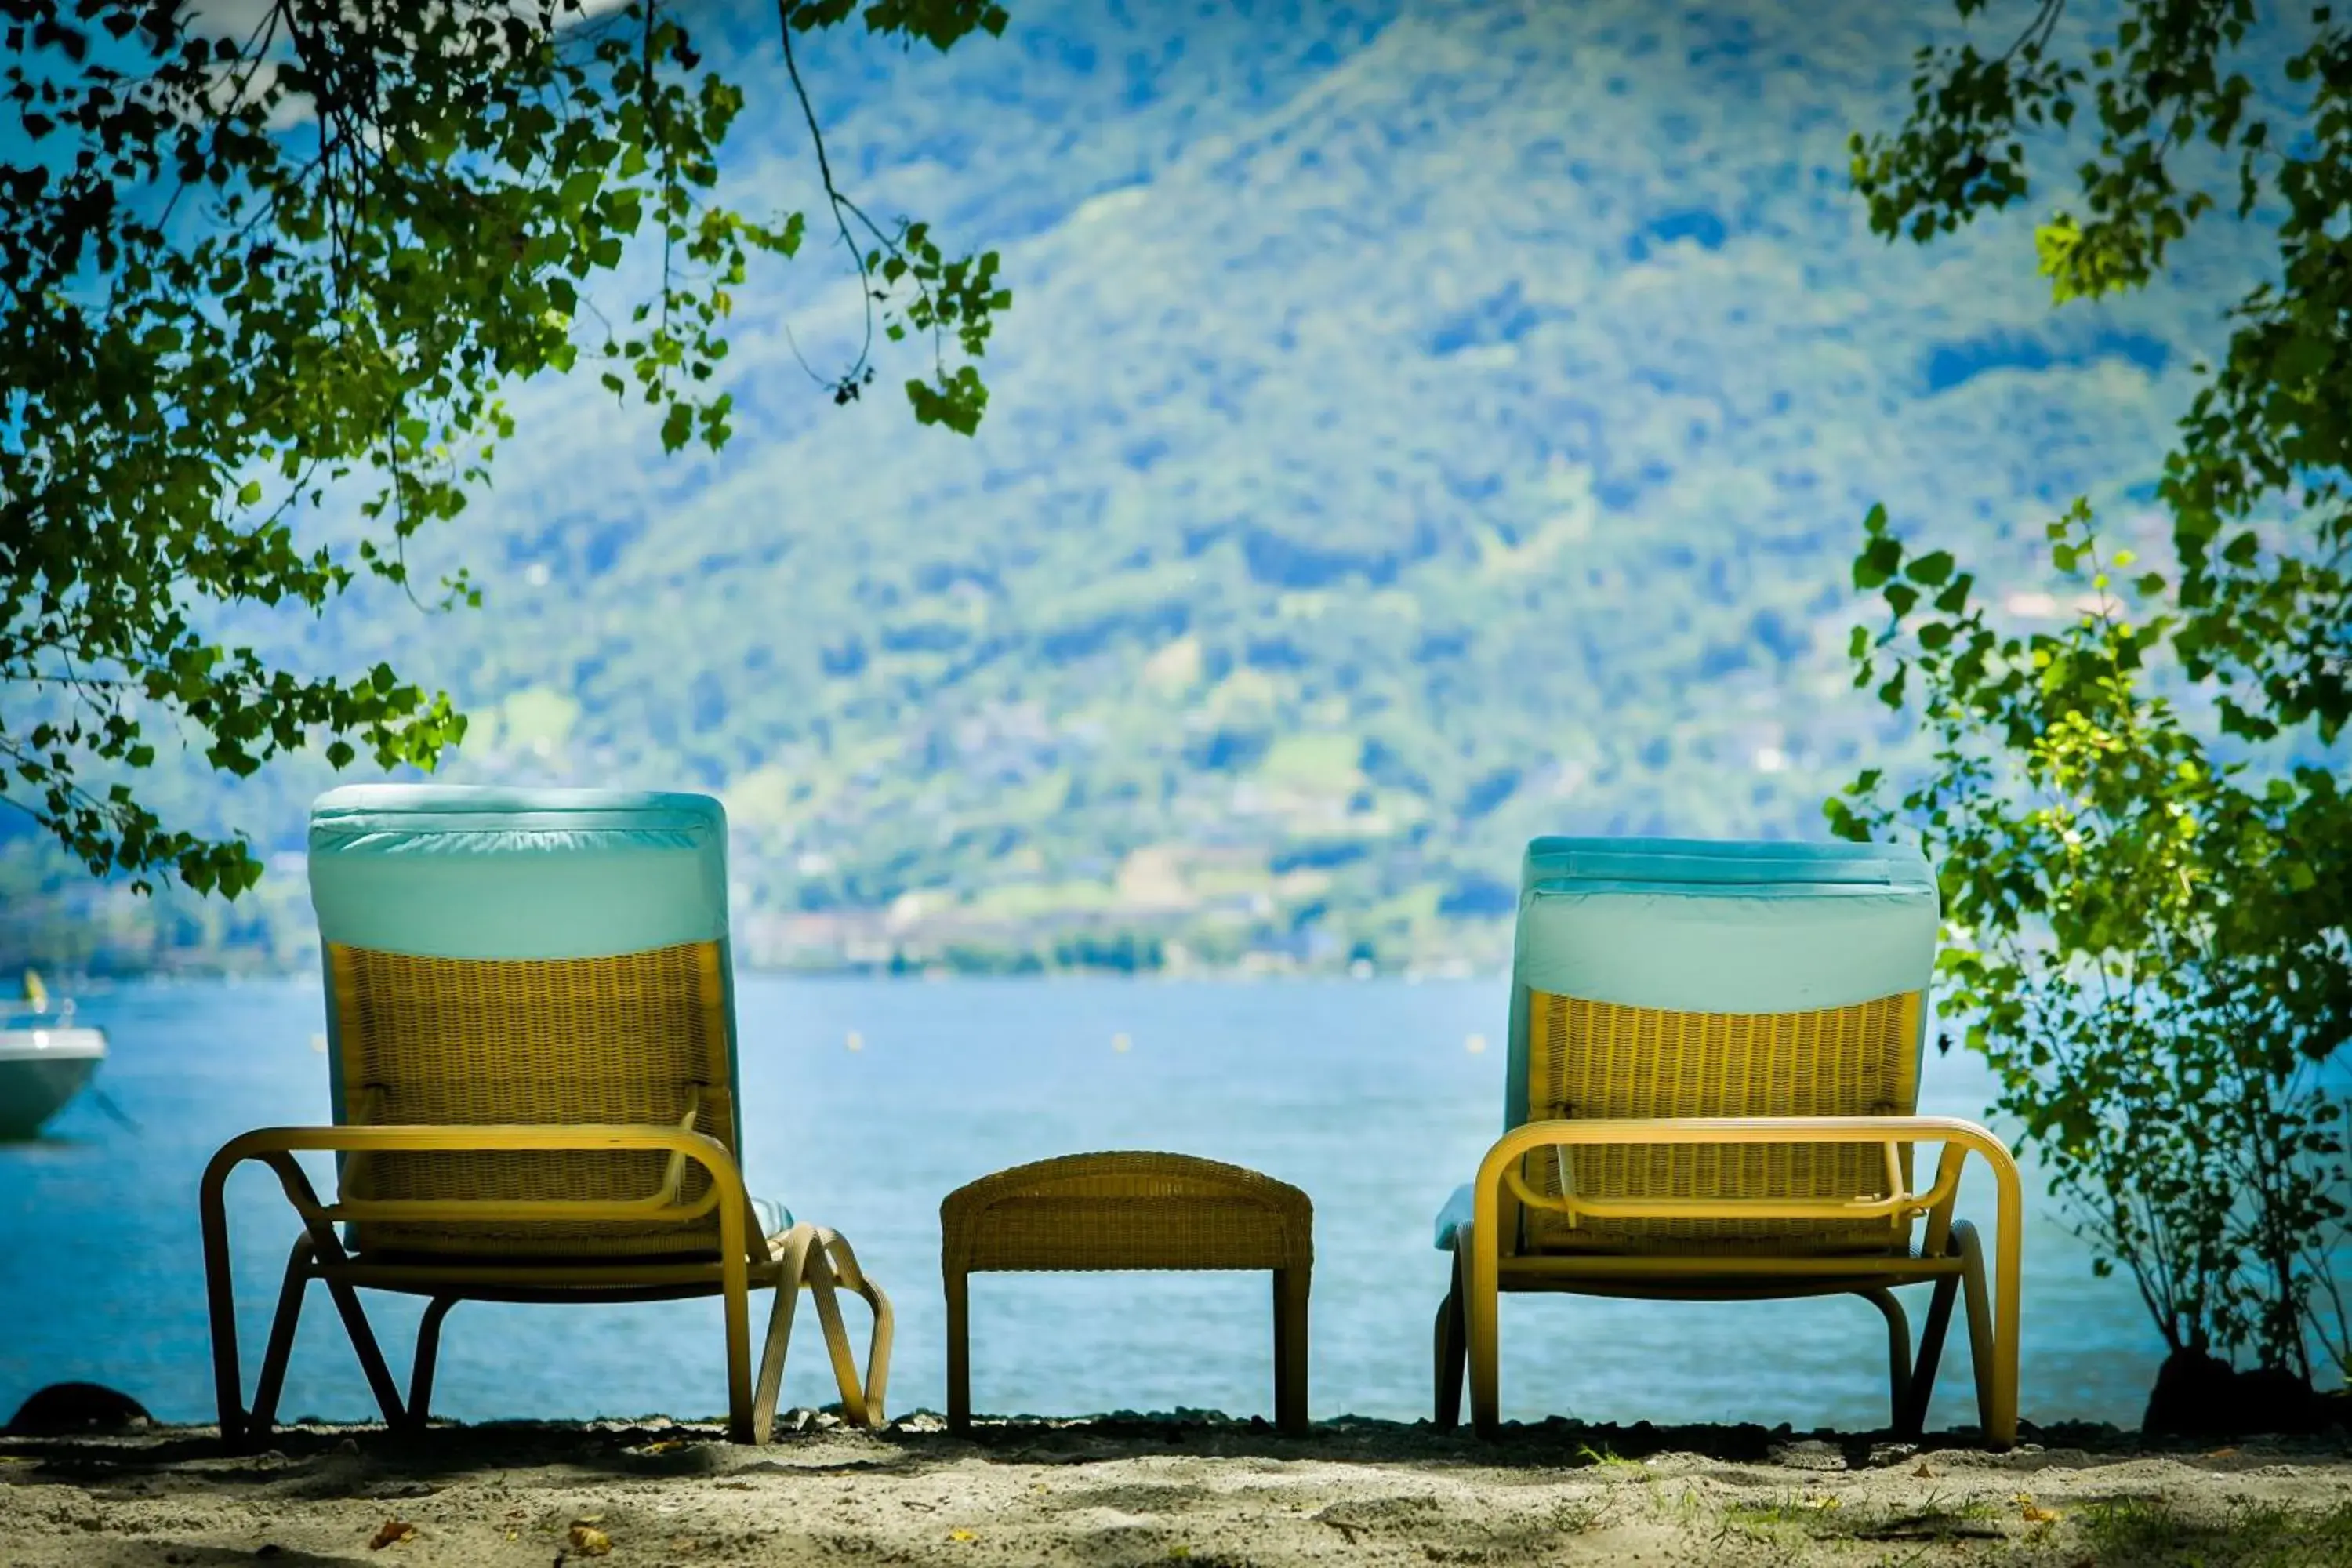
(804, 1257)
(1951, 1257)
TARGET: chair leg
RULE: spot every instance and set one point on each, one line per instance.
(1980, 1332)
(843, 1261)
(264, 1414)
(1450, 1353)
(1898, 1350)
(220, 1307)
(1913, 1423)
(822, 1281)
(428, 1354)
(1482, 1332)
(791, 1250)
(958, 1290)
(363, 1336)
(1290, 1309)
(817, 1261)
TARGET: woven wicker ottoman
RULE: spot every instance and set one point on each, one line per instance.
(1131, 1211)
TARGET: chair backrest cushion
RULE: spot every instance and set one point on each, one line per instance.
(525, 956)
(444, 871)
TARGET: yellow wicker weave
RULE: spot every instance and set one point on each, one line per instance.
(636, 1039)
(1127, 1211)
(1131, 1210)
(1598, 1060)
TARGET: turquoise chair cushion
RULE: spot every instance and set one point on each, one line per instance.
(1455, 1217)
(1707, 927)
(444, 871)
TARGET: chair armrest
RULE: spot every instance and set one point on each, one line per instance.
(272, 1146)
(1499, 1172)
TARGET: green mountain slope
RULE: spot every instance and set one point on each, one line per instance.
(1416, 430)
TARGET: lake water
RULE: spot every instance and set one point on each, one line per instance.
(1364, 1093)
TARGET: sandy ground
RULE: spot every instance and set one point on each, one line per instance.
(1121, 1491)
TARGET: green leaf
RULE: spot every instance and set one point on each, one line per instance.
(1877, 562)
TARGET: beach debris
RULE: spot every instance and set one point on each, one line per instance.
(2034, 1512)
(587, 1540)
(1808, 1454)
(1348, 1529)
(960, 1534)
(1925, 1472)
(390, 1532)
(395, 1490)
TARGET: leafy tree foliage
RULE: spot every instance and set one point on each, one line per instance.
(2148, 935)
(2269, 436)
(250, 253)
(2139, 939)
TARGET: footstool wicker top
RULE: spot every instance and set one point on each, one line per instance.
(1125, 1210)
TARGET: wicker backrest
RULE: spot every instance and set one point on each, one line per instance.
(1600, 1060)
(638, 1039)
(555, 957)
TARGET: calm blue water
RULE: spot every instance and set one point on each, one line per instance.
(1364, 1093)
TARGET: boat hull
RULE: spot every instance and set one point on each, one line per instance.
(40, 1071)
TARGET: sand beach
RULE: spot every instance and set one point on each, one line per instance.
(1194, 1489)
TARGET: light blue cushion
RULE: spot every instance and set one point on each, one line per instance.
(1725, 927)
(1455, 1217)
(446, 871)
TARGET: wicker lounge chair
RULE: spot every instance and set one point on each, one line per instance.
(1713, 1074)
(532, 1049)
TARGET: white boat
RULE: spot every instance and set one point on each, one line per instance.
(44, 1059)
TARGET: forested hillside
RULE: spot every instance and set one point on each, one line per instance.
(1419, 426)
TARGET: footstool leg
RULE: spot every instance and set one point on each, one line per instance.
(1452, 1334)
(1290, 1289)
(958, 1352)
